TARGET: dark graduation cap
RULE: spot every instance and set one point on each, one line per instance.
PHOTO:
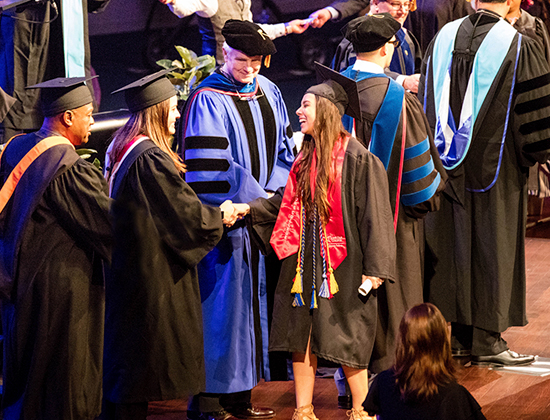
(63, 94)
(248, 38)
(148, 91)
(6, 102)
(368, 33)
(337, 88)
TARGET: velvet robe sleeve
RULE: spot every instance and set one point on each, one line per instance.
(187, 228)
(423, 173)
(531, 125)
(79, 197)
(214, 129)
(374, 217)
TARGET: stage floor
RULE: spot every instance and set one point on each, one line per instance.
(502, 395)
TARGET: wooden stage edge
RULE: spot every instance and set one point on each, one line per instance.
(502, 395)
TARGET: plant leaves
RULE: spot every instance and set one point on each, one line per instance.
(196, 69)
(178, 64)
(185, 55)
(165, 63)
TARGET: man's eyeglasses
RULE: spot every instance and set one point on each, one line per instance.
(396, 6)
(396, 43)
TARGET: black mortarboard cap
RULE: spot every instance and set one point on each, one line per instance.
(148, 91)
(6, 102)
(371, 32)
(339, 89)
(63, 94)
(248, 38)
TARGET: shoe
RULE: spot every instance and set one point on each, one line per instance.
(354, 414)
(506, 358)
(249, 411)
(213, 415)
(344, 402)
(461, 352)
(304, 413)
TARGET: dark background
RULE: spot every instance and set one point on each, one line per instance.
(126, 41)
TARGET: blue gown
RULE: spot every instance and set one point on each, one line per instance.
(236, 149)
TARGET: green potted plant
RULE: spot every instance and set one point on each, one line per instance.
(188, 72)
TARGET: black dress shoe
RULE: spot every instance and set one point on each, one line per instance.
(213, 415)
(506, 358)
(461, 352)
(344, 402)
(249, 411)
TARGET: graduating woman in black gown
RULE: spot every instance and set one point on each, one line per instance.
(334, 230)
(153, 333)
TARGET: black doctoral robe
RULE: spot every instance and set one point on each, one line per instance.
(54, 235)
(534, 27)
(476, 241)
(397, 298)
(31, 53)
(153, 330)
(342, 328)
(431, 15)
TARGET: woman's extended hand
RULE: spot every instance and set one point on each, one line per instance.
(230, 214)
(242, 209)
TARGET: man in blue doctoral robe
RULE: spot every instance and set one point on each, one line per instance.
(485, 89)
(237, 145)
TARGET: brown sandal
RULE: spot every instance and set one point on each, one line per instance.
(304, 413)
(354, 414)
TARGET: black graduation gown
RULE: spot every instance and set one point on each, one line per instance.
(53, 318)
(452, 402)
(475, 269)
(397, 298)
(431, 15)
(31, 53)
(153, 333)
(342, 328)
(535, 28)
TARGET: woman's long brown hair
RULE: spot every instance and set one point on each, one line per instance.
(153, 123)
(327, 130)
(423, 357)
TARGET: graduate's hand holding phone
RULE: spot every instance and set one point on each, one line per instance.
(368, 283)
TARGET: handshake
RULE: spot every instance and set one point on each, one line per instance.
(233, 212)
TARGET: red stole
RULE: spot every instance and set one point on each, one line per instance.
(286, 236)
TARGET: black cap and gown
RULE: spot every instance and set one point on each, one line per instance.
(55, 235)
(153, 334)
(393, 126)
(357, 240)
